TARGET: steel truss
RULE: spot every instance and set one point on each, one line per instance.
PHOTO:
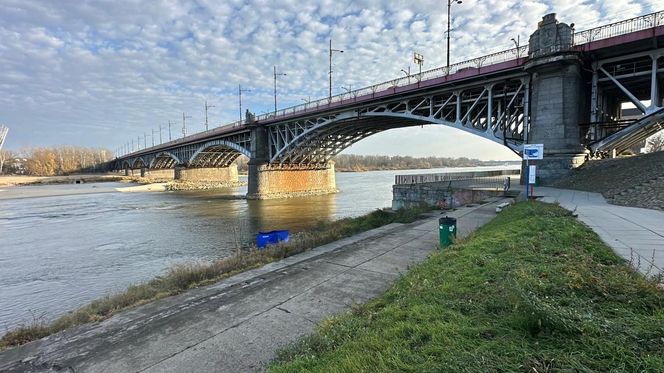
(632, 78)
(495, 109)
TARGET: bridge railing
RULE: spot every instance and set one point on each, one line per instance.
(412, 79)
(619, 28)
(453, 176)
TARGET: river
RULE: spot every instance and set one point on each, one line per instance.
(62, 246)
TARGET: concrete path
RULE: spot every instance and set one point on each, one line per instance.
(634, 233)
(237, 324)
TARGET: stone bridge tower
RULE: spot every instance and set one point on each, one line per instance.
(557, 98)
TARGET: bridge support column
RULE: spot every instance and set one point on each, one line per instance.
(268, 182)
(211, 175)
(557, 99)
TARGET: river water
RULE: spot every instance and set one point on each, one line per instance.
(62, 246)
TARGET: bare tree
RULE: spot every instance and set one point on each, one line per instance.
(655, 143)
(5, 155)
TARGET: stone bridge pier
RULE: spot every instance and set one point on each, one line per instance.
(558, 99)
(207, 174)
(278, 181)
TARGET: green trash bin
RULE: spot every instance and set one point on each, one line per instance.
(447, 231)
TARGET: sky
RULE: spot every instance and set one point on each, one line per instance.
(100, 73)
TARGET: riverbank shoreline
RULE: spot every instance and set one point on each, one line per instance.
(187, 276)
(227, 322)
(24, 180)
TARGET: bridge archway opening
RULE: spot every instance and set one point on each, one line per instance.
(217, 154)
(164, 160)
(138, 163)
(321, 144)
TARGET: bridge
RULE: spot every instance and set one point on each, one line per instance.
(568, 90)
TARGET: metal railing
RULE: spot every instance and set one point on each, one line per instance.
(414, 79)
(620, 28)
(452, 176)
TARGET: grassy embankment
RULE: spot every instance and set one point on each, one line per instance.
(532, 291)
(182, 277)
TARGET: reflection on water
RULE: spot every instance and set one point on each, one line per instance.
(58, 252)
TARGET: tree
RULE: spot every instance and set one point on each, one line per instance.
(5, 155)
(655, 143)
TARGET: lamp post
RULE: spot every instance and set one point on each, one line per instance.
(516, 42)
(348, 90)
(419, 59)
(449, 11)
(160, 142)
(239, 91)
(169, 131)
(275, 88)
(184, 124)
(407, 73)
(332, 50)
(206, 117)
(152, 136)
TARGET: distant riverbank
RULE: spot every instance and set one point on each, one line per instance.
(15, 180)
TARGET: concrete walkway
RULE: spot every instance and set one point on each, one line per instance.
(237, 324)
(634, 233)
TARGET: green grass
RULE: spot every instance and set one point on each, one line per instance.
(187, 276)
(532, 291)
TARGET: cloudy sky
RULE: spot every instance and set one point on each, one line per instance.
(99, 73)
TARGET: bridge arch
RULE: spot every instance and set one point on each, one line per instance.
(217, 153)
(494, 110)
(138, 162)
(164, 160)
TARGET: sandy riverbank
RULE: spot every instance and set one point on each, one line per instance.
(153, 187)
(12, 180)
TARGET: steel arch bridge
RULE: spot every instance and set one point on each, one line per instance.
(495, 109)
(494, 97)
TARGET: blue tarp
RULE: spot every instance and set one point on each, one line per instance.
(271, 238)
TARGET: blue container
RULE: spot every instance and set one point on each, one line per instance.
(282, 236)
(263, 239)
(271, 238)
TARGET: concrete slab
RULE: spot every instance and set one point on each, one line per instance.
(630, 231)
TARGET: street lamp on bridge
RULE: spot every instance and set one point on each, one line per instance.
(184, 124)
(449, 12)
(407, 73)
(206, 117)
(332, 50)
(418, 59)
(239, 91)
(275, 88)
(516, 42)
